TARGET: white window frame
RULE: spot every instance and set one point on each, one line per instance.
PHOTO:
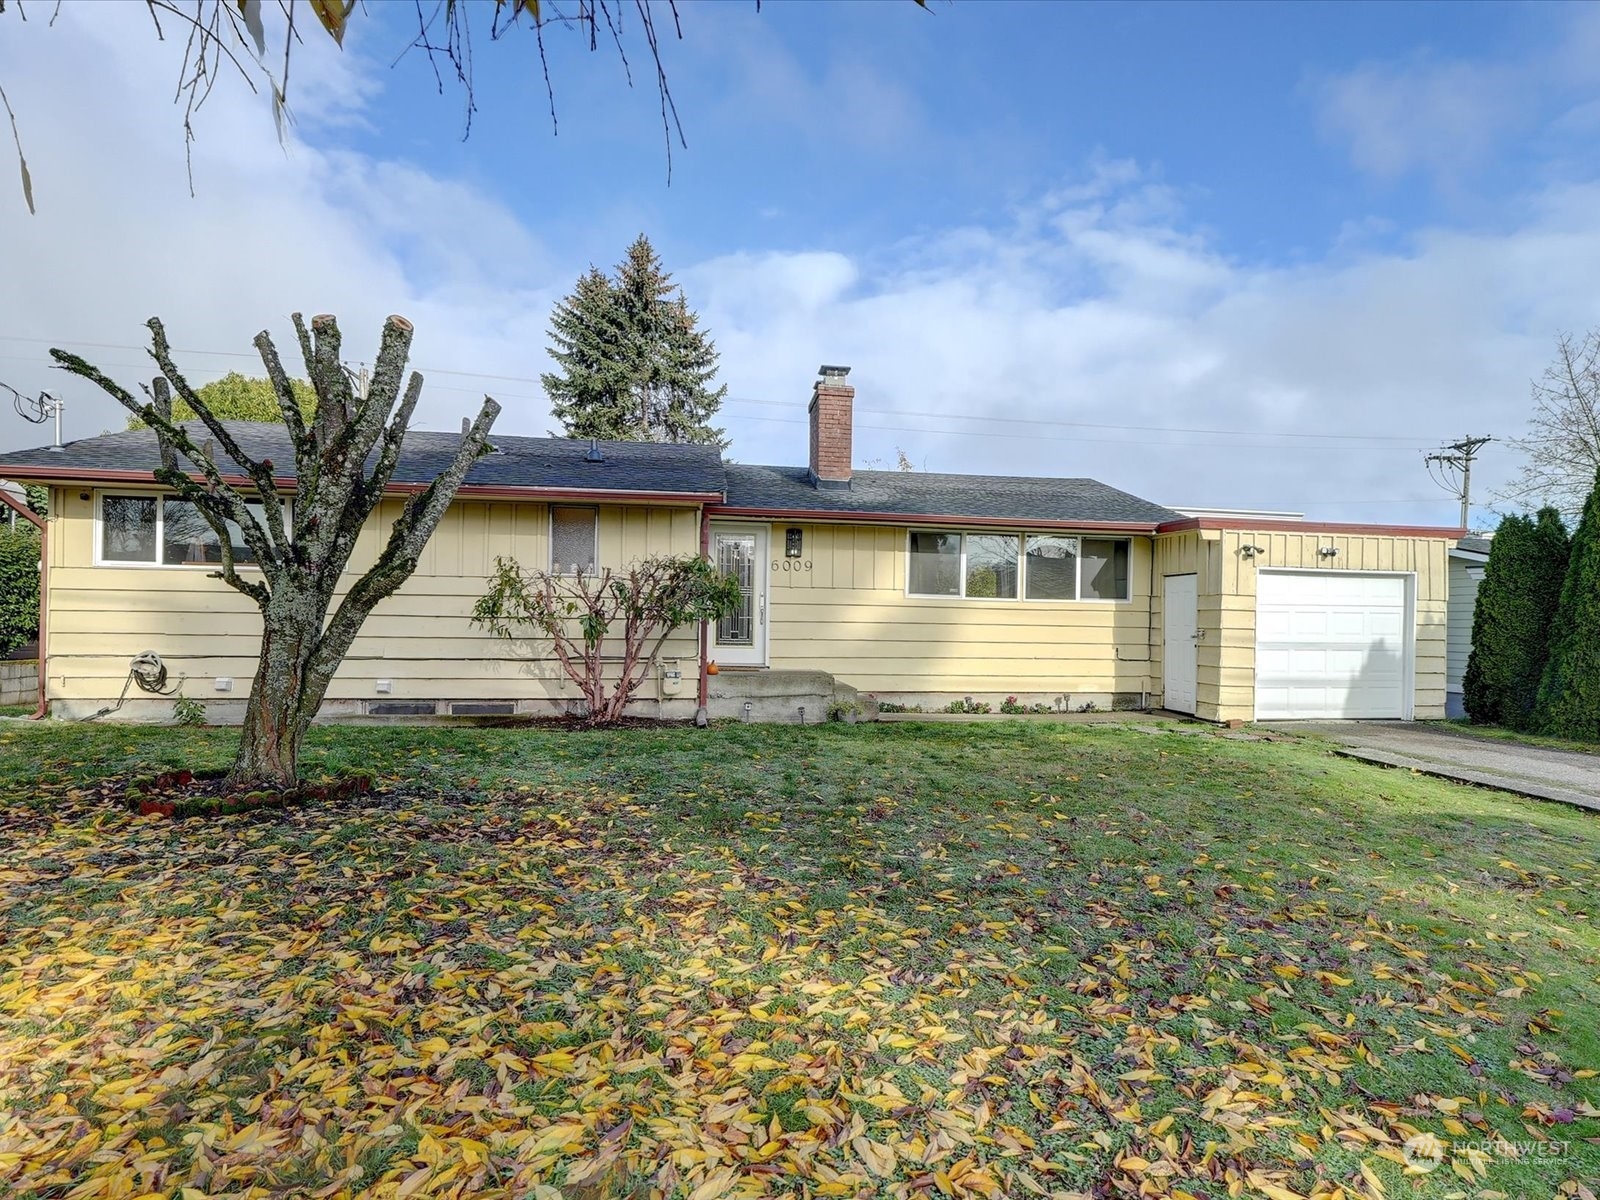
(1082, 599)
(1022, 536)
(157, 565)
(550, 534)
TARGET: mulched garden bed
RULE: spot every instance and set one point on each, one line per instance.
(185, 793)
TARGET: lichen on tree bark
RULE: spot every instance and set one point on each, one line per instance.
(299, 562)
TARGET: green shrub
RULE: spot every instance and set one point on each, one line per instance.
(1511, 624)
(186, 710)
(19, 585)
(1569, 694)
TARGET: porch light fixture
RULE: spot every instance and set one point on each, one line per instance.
(1327, 552)
(791, 543)
(1252, 551)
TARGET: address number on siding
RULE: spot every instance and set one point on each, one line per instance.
(789, 564)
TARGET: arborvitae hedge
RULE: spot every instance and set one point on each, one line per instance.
(19, 585)
(1517, 601)
(1569, 696)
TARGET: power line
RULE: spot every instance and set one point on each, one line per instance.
(901, 412)
(1351, 438)
(1078, 439)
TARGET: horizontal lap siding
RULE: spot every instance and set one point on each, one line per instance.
(1463, 600)
(421, 638)
(842, 608)
(1227, 588)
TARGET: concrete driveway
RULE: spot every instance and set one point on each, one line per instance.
(1569, 776)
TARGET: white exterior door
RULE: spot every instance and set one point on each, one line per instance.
(1180, 635)
(741, 551)
(1332, 644)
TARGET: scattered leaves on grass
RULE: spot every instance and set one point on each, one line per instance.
(866, 962)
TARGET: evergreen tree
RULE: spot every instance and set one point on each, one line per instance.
(633, 364)
(1517, 600)
(1569, 696)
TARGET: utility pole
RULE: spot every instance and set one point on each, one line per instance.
(1452, 458)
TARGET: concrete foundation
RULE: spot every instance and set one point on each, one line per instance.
(776, 697)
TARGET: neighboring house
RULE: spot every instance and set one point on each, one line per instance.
(913, 586)
(1467, 559)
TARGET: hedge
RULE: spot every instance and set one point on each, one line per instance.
(19, 585)
(1517, 601)
(1569, 695)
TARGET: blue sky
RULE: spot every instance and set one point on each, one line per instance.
(1051, 239)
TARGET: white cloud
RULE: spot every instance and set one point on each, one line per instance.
(1441, 118)
(1447, 118)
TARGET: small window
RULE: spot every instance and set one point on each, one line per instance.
(991, 572)
(1052, 567)
(935, 564)
(1105, 569)
(128, 529)
(572, 540)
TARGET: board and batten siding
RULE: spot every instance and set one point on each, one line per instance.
(843, 608)
(1226, 586)
(421, 639)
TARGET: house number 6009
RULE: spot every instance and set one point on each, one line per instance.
(789, 564)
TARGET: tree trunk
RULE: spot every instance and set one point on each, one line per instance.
(286, 694)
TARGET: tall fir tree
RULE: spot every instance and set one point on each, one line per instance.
(1569, 695)
(633, 363)
(1517, 601)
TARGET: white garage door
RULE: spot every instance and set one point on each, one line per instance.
(1331, 644)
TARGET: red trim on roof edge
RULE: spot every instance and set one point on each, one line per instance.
(1244, 525)
(829, 517)
(286, 484)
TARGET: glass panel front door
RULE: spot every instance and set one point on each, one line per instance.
(740, 639)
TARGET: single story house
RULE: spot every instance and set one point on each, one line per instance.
(1467, 560)
(911, 586)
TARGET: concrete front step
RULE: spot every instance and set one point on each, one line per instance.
(775, 697)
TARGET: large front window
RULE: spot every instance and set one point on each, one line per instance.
(161, 531)
(1008, 566)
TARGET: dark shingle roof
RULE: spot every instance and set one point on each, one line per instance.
(919, 493)
(522, 461)
(1477, 545)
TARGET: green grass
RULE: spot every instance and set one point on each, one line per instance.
(1497, 733)
(892, 959)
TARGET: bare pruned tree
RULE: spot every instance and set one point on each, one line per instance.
(1561, 447)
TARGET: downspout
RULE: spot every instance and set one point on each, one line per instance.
(44, 587)
(701, 714)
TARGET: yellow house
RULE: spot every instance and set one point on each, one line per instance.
(913, 587)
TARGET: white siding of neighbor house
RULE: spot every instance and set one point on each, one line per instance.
(1463, 600)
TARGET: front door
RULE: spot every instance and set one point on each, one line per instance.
(741, 551)
(1179, 653)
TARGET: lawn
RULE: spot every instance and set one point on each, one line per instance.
(1499, 733)
(897, 960)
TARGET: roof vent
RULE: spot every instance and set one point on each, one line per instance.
(595, 454)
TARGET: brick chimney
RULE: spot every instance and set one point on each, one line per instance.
(832, 412)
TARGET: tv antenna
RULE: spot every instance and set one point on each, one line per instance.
(1454, 470)
(38, 409)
